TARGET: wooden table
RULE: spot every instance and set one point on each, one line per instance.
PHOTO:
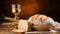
(42, 32)
(16, 31)
(9, 31)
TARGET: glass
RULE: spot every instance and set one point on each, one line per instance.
(16, 11)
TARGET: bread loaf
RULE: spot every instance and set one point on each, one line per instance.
(41, 20)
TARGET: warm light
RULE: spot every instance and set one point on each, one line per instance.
(13, 11)
(19, 8)
(13, 8)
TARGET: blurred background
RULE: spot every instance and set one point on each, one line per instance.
(31, 7)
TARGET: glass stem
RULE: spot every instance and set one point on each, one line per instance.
(16, 17)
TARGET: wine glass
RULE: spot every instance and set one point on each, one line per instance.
(16, 11)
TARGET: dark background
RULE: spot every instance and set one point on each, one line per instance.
(30, 7)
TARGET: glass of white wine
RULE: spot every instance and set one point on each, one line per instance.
(16, 11)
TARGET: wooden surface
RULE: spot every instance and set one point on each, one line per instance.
(4, 30)
(9, 31)
(42, 32)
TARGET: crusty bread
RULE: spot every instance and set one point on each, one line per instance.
(42, 21)
(24, 25)
(37, 19)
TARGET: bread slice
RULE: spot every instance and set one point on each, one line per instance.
(24, 25)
